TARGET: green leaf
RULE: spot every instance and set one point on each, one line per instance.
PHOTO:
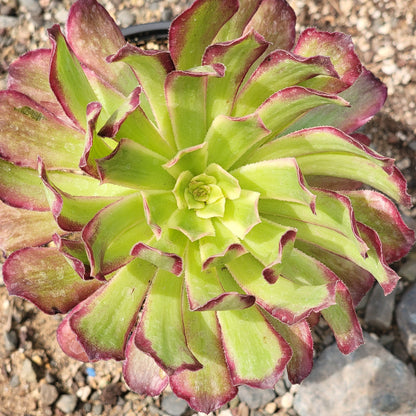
(304, 285)
(256, 354)
(189, 33)
(210, 387)
(151, 69)
(134, 166)
(65, 72)
(237, 55)
(192, 159)
(220, 248)
(241, 214)
(112, 233)
(228, 184)
(104, 320)
(186, 221)
(343, 165)
(96, 147)
(358, 280)
(161, 332)
(72, 213)
(343, 321)
(279, 70)
(276, 179)
(299, 338)
(270, 242)
(332, 211)
(366, 96)
(204, 289)
(186, 96)
(284, 107)
(129, 120)
(230, 138)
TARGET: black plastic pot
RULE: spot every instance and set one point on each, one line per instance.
(146, 32)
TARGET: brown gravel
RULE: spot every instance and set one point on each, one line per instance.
(384, 34)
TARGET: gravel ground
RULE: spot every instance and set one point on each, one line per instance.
(36, 378)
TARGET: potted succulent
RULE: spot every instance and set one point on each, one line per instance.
(192, 212)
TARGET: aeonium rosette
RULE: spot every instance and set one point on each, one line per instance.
(192, 211)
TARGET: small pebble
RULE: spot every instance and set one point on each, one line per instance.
(14, 381)
(83, 393)
(48, 394)
(173, 405)
(97, 409)
(11, 341)
(67, 403)
(27, 373)
(286, 401)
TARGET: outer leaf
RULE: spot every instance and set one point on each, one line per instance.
(72, 213)
(158, 206)
(237, 55)
(230, 138)
(358, 280)
(189, 35)
(304, 286)
(318, 140)
(29, 75)
(366, 96)
(210, 387)
(23, 228)
(336, 243)
(75, 254)
(343, 321)
(151, 69)
(66, 71)
(141, 372)
(24, 127)
(332, 211)
(110, 236)
(134, 166)
(299, 338)
(276, 179)
(256, 354)
(279, 70)
(235, 26)
(162, 260)
(95, 147)
(275, 20)
(43, 276)
(286, 106)
(104, 320)
(185, 96)
(89, 23)
(380, 214)
(338, 46)
(203, 288)
(344, 166)
(165, 342)
(21, 187)
(129, 120)
(67, 340)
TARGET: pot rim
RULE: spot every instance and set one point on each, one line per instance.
(147, 31)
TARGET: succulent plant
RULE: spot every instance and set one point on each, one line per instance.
(194, 211)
